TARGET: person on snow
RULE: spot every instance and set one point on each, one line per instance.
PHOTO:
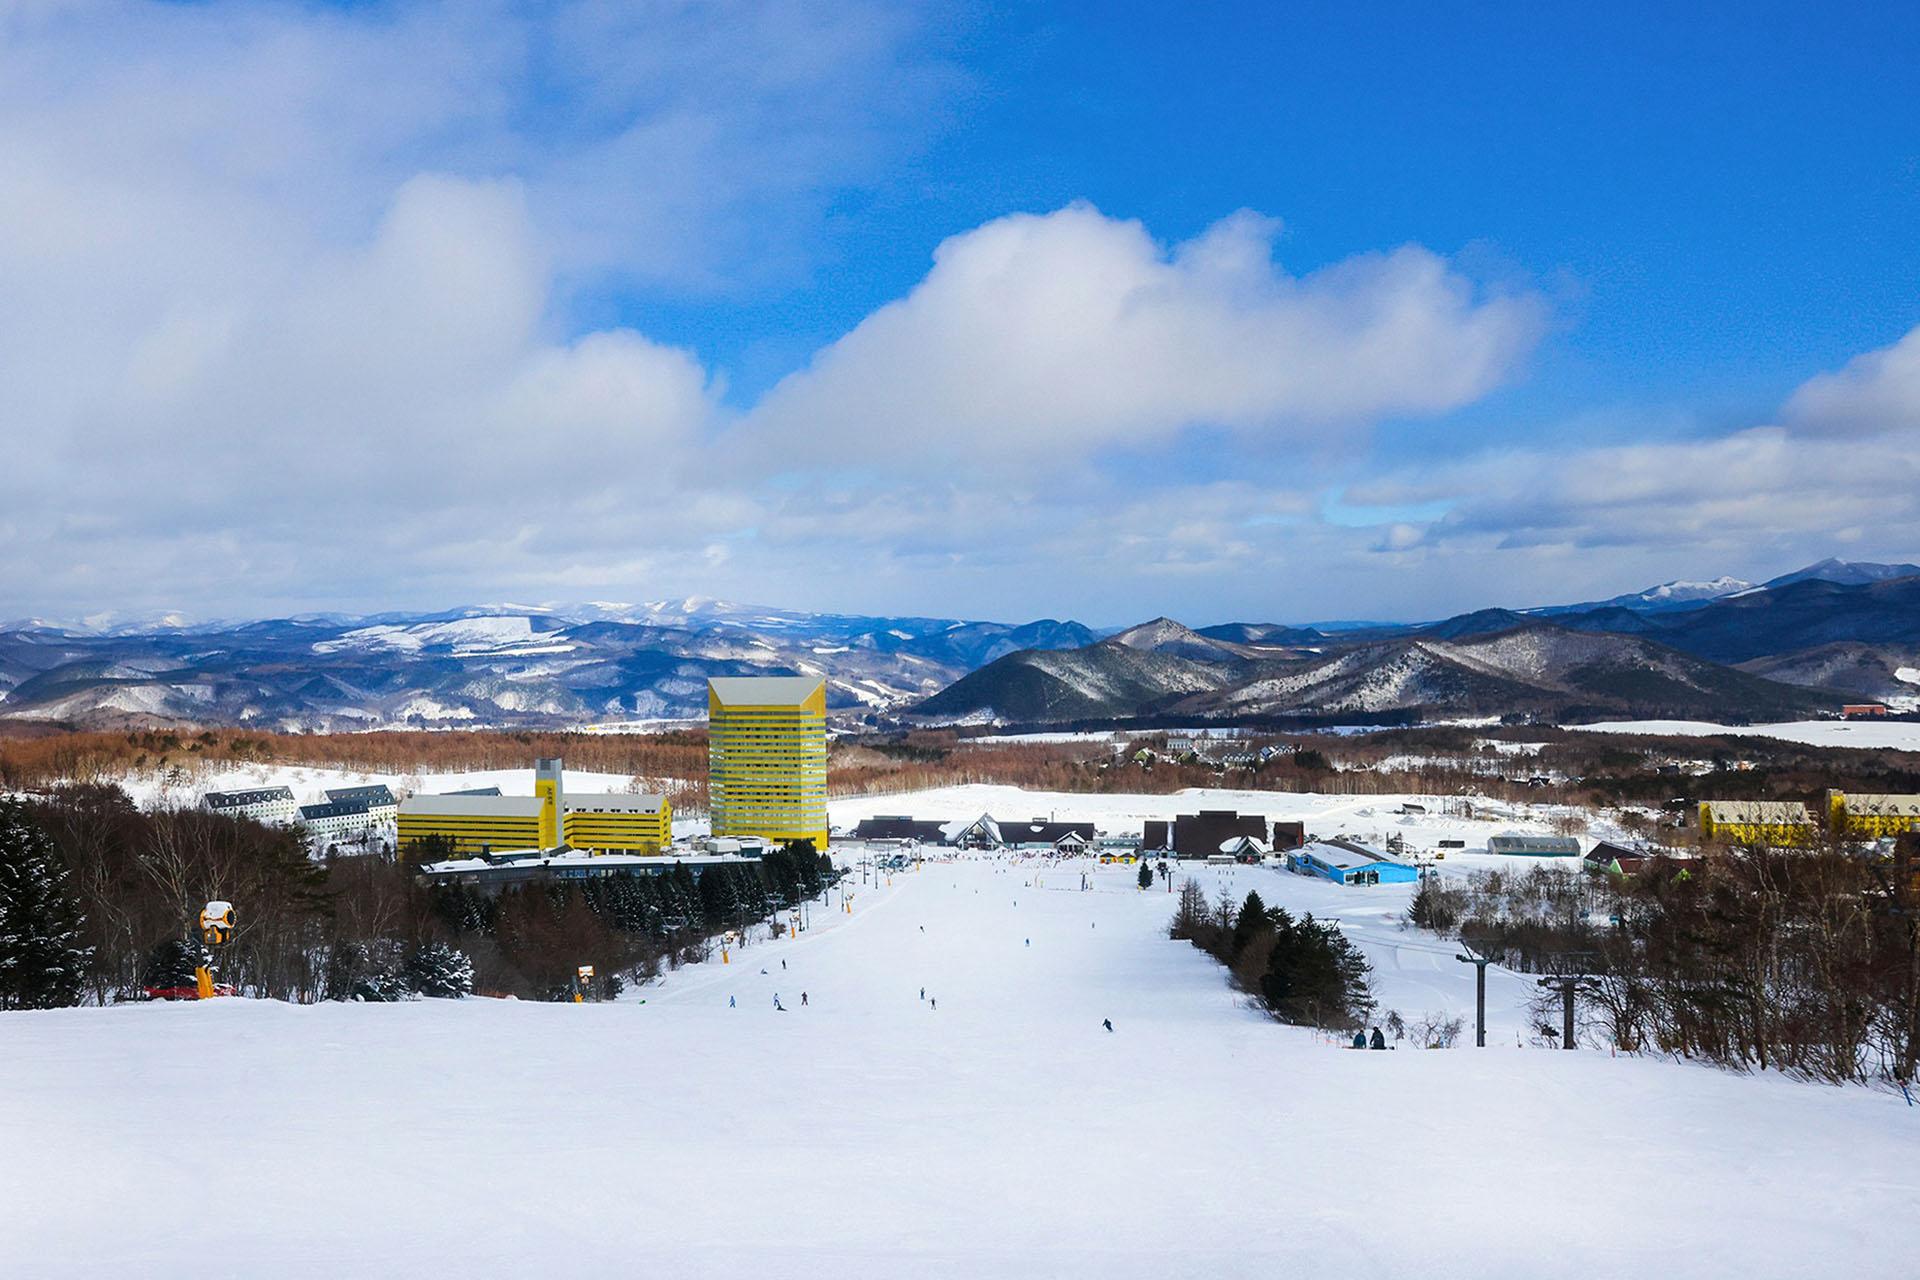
(1379, 1041)
(803, 997)
(776, 1001)
(783, 966)
(1359, 1039)
(1107, 1023)
(730, 1003)
(1029, 941)
(923, 993)
(934, 1004)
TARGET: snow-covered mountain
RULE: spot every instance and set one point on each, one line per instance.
(1534, 670)
(494, 665)
(1667, 596)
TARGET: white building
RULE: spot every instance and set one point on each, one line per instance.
(343, 819)
(264, 804)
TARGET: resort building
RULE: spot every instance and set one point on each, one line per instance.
(1872, 816)
(767, 757)
(340, 819)
(1764, 822)
(378, 798)
(262, 804)
(480, 824)
(1202, 834)
(1350, 862)
(1519, 846)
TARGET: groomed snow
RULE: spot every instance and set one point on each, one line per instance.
(1004, 1134)
(1896, 735)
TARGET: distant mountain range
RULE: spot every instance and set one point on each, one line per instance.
(495, 665)
(1721, 649)
(1724, 649)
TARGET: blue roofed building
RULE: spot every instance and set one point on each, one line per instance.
(1350, 862)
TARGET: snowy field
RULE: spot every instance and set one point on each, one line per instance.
(1372, 818)
(1897, 735)
(868, 1134)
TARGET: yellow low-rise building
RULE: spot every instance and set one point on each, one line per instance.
(1762, 822)
(482, 824)
(1872, 815)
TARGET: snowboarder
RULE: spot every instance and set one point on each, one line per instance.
(1107, 1023)
(1359, 1039)
(1379, 1041)
(776, 1001)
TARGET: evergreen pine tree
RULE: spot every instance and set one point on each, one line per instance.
(42, 960)
(383, 986)
(1251, 923)
(1146, 875)
(171, 964)
(439, 971)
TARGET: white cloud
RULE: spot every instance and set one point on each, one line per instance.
(1874, 394)
(1842, 476)
(1068, 332)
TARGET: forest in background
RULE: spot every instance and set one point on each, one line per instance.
(1556, 765)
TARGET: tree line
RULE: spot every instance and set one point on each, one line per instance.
(1299, 970)
(99, 901)
(1804, 961)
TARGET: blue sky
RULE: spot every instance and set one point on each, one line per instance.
(1239, 311)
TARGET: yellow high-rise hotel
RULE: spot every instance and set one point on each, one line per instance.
(767, 757)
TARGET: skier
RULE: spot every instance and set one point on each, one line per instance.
(803, 998)
(1379, 1041)
(1107, 1023)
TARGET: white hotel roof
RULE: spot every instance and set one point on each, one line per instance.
(764, 691)
(473, 806)
(464, 806)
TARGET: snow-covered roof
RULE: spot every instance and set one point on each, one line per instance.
(241, 799)
(615, 802)
(1881, 805)
(764, 691)
(1347, 855)
(1758, 812)
(580, 858)
(467, 806)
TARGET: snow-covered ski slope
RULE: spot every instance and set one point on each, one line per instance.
(867, 1134)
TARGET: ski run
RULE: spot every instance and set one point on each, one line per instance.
(693, 1128)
